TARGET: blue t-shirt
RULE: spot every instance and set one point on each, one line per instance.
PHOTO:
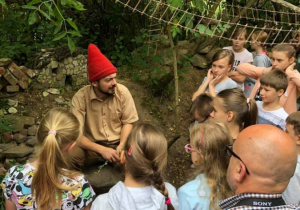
(195, 194)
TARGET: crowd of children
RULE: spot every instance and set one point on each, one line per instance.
(234, 95)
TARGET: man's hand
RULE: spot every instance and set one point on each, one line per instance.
(109, 154)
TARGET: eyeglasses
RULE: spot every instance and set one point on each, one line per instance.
(189, 149)
(230, 153)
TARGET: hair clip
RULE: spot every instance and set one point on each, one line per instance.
(168, 201)
(52, 132)
(202, 138)
(130, 150)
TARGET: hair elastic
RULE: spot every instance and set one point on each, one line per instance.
(202, 138)
(168, 201)
(130, 150)
(52, 132)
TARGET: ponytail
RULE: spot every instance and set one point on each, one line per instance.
(146, 157)
(57, 129)
(251, 116)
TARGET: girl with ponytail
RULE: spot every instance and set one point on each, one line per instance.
(45, 183)
(234, 110)
(144, 157)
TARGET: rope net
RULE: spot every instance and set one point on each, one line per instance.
(220, 19)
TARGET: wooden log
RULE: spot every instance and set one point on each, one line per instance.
(12, 88)
(10, 78)
(2, 71)
(16, 71)
(27, 71)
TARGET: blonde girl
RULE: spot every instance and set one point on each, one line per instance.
(232, 108)
(208, 141)
(45, 183)
(217, 79)
(144, 157)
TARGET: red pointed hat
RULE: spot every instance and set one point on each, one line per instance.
(98, 65)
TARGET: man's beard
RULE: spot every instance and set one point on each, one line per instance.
(106, 92)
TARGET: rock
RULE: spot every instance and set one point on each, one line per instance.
(181, 53)
(54, 64)
(60, 101)
(211, 54)
(19, 138)
(24, 132)
(53, 91)
(18, 151)
(204, 50)
(9, 162)
(31, 142)
(5, 61)
(12, 102)
(45, 93)
(108, 176)
(199, 61)
(12, 110)
(3, 171)
(7, 146)
(22, 160)
(1, 155)
(32, 130)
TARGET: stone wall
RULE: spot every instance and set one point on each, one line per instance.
(69, 71)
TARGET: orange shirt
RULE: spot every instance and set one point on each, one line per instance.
(289, 99)
(102, 120)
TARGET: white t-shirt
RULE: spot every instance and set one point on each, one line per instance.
(276, 117)
(241, 57)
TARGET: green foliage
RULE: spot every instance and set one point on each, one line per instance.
(7, 126)
(120, 55)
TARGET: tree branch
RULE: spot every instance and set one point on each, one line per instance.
(287, 5)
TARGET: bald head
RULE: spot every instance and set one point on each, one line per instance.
(269, 154)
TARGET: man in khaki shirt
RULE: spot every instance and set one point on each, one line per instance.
(106, 111)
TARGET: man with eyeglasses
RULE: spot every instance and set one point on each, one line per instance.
(262, 161)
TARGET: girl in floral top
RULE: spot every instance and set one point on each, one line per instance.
(46, 183)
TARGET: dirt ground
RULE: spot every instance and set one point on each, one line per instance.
(157, 111)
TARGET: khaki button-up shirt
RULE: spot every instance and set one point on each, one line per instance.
(102, 120)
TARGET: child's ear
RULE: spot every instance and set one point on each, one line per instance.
(122, 157)
(298, 140)
(291, 60)
(230, 116)
(280, 92)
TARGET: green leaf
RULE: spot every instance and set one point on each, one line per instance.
(64, 2)
(3, 4)
(71, 45)
(57, 12)
(58, 27)
(69, 20)
(203, 29)
(75, 33)
(60, 36)
(32, 18)
(33, 2)
(76, 5)
(49, 7)
(45, 14)
(29, 7)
